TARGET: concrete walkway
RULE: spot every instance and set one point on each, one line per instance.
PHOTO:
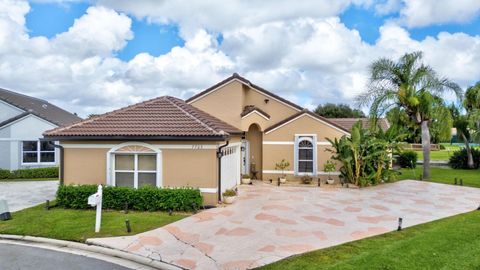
(269, 223)
(24, 194)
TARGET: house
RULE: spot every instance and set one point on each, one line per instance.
(23, 119)
(207, 141)
(347, 123)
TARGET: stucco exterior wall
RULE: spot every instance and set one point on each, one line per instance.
(226, 103)
(8, 111)
(303, 125)
(280, 144)
(85, 164)
(276, 109)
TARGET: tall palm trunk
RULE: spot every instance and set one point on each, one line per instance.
(426, 149)
(470, 163)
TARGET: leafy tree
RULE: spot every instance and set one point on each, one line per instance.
(410, 85)
(365, 155)
(330, 110)
(472, 106)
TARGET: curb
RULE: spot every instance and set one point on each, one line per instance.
(92, 248)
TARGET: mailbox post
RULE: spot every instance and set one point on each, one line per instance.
(96, 200)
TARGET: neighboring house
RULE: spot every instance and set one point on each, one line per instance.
(234, 127)
(23, 119)
(348, 123)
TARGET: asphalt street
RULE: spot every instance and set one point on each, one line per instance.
(19, 257)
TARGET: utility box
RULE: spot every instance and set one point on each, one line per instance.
(4, 212)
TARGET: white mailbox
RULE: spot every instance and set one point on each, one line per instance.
(96, 200)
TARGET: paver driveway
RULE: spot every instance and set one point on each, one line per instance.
(269, 223)
(24, 194)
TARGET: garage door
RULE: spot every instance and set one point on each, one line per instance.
(230, 167)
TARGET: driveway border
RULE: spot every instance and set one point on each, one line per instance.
(113, 254)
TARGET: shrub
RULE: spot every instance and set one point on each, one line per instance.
(146, 198)
(5, 174)
(407, 159)
(459, 159)
(50, 172)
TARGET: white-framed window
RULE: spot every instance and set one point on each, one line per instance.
(305, 155)
(38, 152)
(135, 170)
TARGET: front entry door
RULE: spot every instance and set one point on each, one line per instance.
(245, 157)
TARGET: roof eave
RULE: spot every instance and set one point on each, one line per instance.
(130, 138)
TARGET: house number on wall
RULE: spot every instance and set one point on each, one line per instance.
(197, 147)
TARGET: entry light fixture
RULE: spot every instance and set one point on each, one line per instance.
(266, 100)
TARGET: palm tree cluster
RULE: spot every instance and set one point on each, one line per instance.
(414, 88)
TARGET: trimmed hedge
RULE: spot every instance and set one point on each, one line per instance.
(407, 159)
(146, 198)
(459, 159)
(49, 172)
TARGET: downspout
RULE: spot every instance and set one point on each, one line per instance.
(62, 158)
(219, 156)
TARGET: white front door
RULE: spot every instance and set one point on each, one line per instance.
(245, 157)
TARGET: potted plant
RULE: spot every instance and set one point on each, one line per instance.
(307, 179)
(246, 179)
(229, 196)
(282, 165)
(329, 167)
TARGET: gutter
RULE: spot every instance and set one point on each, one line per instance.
(62, 158)
(219, 156)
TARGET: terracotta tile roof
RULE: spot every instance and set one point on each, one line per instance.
(348, 123)
(250, 108)
(160, 117)
(314, 115)
(246, 82)
(37, 107)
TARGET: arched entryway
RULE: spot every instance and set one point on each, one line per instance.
(254, 136)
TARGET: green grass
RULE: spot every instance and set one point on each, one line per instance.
(451, 243)
(444, 175)
(437, 155)
(78, 225)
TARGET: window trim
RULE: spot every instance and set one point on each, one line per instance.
(135, 170)
(38, 152)
(110, 158)
(313, 139)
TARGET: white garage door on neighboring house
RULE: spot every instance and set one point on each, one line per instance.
(230, 167)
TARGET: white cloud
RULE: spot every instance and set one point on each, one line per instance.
(310, 58)
(417, 13)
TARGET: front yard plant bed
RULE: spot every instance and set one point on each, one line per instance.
(36, 173)
(78, 225)
(451, 243)
(146, 198)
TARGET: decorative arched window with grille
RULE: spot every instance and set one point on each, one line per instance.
(305, 155)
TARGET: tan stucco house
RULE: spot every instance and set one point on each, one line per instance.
(207, 141)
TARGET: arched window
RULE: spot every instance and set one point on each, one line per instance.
(305, 155)
(135, 165)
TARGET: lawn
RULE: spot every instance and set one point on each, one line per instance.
(437, 155)
(444, 175)
(78, 225)
(451, 243)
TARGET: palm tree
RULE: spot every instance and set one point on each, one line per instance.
(410, 85)
(461, 123)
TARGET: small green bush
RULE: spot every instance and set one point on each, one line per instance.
(146, 198)
(5, 174)
(229, 193)
(459, 159)
(407, 159)
(49, 172)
